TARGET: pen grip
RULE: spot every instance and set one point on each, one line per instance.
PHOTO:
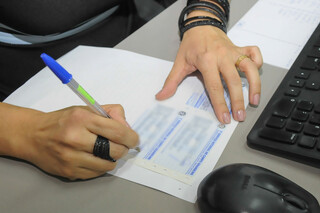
(94, 105)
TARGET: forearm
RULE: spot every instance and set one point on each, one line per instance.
(15, 129)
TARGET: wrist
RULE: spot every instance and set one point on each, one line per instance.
(17, 133)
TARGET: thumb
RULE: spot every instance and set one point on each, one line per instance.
(173, 80)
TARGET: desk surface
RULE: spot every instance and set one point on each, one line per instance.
(27, 189)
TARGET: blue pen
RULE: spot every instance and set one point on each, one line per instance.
(67, 79)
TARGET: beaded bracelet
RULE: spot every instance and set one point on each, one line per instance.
(223, 3)
(214, 22)
(205, 6)
(208, 21)
(184, 25)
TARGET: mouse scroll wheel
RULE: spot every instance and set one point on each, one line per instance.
(295, 201)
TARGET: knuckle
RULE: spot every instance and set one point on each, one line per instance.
(119, 133)
(238, 102)
(77, 114)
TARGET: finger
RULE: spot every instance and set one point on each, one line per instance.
(117, 151)
(84, 173)
(116, 112)
(216, 92)
(233, 81)
(176, 75)
(69, 161)
(114, 131)
(252, 74)
(93, 163)
(254, 54)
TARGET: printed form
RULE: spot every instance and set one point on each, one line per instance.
(180, 138)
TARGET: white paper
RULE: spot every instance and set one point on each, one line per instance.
(280, 28)
(132, 80)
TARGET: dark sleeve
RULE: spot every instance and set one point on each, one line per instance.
(43, 17)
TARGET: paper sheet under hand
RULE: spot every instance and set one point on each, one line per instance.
(181, 139)
(280, 28)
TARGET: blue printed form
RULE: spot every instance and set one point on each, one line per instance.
(176, 141)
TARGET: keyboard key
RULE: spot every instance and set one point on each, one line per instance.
(276, 122)
(313, 85)
(315, 52)
(292, 92)
(299, 115)
(294, 126)
(305, 105)
(315, 119)
(297, 83)
(284, 107)
(317, 108)
(278, 135)
(307, 141)
(303, 75)
(310, 63)
(313, 130)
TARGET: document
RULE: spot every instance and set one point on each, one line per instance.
(180, 138)
(279, 28)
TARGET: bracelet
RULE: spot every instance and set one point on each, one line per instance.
(214, 9)
(213, 12)
(214, 22)
(204, 6)
(223, 3)
(185, 22)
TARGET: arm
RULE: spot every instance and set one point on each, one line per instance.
(209, 50)
(61, 142)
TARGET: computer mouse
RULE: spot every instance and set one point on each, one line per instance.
(246, 188)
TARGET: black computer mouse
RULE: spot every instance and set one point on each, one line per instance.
(246, 188)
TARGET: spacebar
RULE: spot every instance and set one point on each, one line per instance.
(278, 135)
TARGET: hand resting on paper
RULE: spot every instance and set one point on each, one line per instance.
(61, 142)
(209, 50)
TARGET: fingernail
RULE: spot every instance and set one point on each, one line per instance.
(241, 115)
(226, 118)
(256, 99)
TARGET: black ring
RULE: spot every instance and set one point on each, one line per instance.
(101, 148)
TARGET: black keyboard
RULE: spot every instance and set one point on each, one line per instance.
(289, 126)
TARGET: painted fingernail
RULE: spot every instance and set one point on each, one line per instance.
(256, 99)
(226, 118)
(241, 115)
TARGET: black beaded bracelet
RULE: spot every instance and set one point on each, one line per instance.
(223, 3)
(214, 22)
(205, 6)
(199, 18)
(184, 25)
(213, 12)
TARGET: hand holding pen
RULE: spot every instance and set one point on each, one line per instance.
(62, 142)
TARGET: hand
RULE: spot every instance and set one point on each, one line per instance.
(61, 142)
(209, 50)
